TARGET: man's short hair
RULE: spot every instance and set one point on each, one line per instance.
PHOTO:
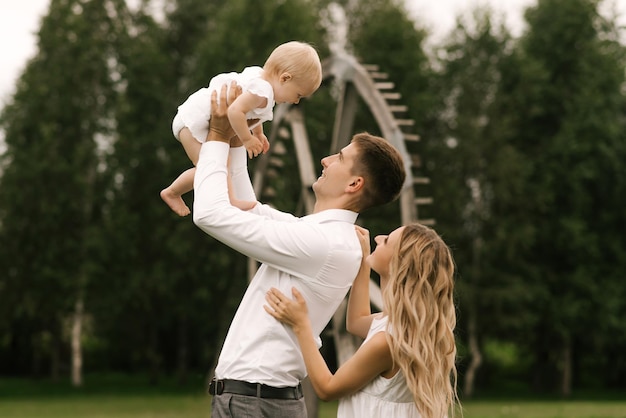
(382, 167)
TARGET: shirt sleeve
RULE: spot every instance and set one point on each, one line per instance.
(278, 241)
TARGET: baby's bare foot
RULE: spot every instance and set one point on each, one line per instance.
(175, 202)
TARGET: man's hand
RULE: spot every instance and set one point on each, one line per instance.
(219, 126)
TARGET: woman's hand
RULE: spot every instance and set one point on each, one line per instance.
(364, 239)
(291, 312)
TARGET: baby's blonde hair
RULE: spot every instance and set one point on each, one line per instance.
(422, 317)
(298, 59)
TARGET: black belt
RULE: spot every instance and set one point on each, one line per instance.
(239, 387)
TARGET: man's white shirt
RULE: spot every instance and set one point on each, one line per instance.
(318, 254)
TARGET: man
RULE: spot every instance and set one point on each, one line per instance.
(260, 366)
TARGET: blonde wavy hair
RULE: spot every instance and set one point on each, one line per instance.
(420, 307)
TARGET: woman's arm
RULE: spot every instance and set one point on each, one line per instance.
(372, 358)
(359, 315)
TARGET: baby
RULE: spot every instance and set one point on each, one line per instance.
(292, 71)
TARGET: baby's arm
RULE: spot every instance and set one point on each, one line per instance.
(241, 204)
(257, 131)
(238, 120)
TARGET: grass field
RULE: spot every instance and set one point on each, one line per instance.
(126, 398)
(176, 406)
(545, 409)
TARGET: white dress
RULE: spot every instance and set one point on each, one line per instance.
(195, 112)
(382, 397)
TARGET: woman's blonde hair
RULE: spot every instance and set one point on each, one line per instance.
(420, 307)
(298, 59)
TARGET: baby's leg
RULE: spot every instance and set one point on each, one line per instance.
(190, 144)
(172, 195)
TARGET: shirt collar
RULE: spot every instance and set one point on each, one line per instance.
(328, 215)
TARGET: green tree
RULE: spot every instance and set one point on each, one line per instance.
(475, 170)
(147, 302)
(564, 87)
(58, 118)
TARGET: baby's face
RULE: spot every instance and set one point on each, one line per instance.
(290, 92)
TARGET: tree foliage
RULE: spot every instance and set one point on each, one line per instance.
(523, 140)
(63, 107)
(471, 159)
(567, 85)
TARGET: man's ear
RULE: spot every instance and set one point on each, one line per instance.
(356, 184)
(284, 77)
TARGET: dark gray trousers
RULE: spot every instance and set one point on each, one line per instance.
(228, 405)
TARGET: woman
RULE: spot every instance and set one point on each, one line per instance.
(406, 365)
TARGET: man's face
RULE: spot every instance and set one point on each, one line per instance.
(336, 173)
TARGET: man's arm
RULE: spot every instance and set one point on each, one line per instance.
(278, 243)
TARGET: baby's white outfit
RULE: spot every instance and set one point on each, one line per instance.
(382, 397)
(195, 112)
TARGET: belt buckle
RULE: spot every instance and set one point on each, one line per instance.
(216, 387)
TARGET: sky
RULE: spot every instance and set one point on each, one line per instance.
(20, 19)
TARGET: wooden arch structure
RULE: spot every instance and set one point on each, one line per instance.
(353, 82)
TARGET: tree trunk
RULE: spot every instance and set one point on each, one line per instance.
(475, 354)
(77, 346)
(55, 362)
(566, 368)
(183, 351)
(472, 327)
(154, 357)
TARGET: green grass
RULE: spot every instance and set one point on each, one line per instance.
(111, 396)
(122, 406)
(544, 409)
(126, 397)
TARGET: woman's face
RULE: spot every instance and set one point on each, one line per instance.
(380, 258)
